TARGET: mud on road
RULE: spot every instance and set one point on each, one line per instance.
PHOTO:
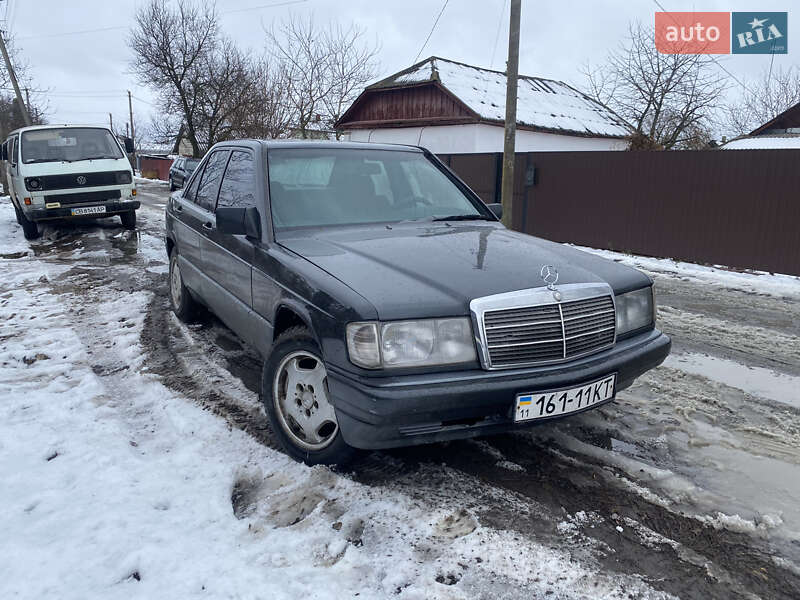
(686, 481)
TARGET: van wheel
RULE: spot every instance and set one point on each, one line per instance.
(294, 390)
(29, 228)
(128, 219)
(16, 212)
(183, 305)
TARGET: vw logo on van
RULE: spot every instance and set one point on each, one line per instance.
(81, 180)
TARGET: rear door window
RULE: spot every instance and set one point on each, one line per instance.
(206, 196)
(238, 185)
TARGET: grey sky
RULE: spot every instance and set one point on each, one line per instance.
(86, 73)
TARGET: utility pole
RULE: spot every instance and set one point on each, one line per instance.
(13, 77)
(133, 134)
(111, 122)
(126, 130)
(28, 99)
(512, 70)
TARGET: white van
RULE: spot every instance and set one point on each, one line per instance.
(68, 171)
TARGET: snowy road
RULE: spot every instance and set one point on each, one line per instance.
(136, 461)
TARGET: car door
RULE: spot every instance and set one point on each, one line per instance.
(229, 258)
(194, 217)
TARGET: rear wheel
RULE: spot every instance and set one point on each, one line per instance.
(29, 228)
(294, 390)
(183, 305)
(128, 219)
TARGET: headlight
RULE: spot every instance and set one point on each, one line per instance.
(635, 310)
(34, 184)
(123, 177)
(411, 343)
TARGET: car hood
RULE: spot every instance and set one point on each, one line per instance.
(435, 269)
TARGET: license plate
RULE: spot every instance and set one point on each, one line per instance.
(89, 210)
(541, 405)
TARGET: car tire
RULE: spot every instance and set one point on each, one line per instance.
(29, 228)
(180, 298)
(294, 391)
(16, 213)
(128, 219)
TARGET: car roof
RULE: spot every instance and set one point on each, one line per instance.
(319, 144)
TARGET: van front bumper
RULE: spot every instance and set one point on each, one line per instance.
(65, 212)
(385, 412)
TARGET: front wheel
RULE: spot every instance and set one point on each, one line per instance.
(29, 228)
(294, 390)
(128, 219)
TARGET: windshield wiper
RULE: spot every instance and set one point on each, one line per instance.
(97, 157)
(464, 218)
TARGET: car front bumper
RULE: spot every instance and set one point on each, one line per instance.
(65, 212)
(385, 412)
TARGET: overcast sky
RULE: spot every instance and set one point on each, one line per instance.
(85, 75)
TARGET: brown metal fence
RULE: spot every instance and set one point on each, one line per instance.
(739, 208)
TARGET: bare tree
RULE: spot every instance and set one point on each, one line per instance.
(670, 99)
(170, 49)
(760, 101)
(351, 65)
(324, 68)
(205, 84)
(270, 115)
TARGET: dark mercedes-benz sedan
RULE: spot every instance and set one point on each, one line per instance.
(390, 304)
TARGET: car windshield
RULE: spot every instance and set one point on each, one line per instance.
(312, 187)
(68, 144)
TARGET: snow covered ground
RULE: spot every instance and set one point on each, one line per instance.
(136, 462)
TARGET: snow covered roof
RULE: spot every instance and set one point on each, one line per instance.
(541, 103)
(765, 142)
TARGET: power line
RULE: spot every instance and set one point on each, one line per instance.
(497, 35)
(432, 29)
(66, 33)
(238, 10)
(118, 27)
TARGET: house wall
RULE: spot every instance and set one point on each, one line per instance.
(477, 138)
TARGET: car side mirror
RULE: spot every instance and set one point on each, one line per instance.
(496, 208)
(239, 221)
(129, 145)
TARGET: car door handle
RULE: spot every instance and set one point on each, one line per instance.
(208, 226)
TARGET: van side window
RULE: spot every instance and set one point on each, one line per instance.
(238, 184)
(206, 196)
(12, 151)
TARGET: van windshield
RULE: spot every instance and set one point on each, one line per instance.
(68, 144)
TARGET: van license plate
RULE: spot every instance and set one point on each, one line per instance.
(541, 405)
(89, 210)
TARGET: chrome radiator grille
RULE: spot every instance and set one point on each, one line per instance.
(550, 332)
